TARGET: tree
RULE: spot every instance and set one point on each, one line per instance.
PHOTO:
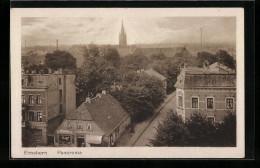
(225, 58)
(202, 132)
(226, 131)
(140, 96)
(171, 132)
(196, 131)
(135, 61)
(158, 56)
(169, 69)
(60, 59)
(91, 51)
(112, 55)
(202, 56)
(95, 74)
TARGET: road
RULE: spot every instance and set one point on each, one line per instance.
(149, 131)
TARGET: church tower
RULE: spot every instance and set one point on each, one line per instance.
(122, 37)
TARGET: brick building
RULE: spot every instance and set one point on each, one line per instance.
(46, 99)
(97, 122)
(210, 91)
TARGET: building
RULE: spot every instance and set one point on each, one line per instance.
(157, 75)
(209, 91)
(122, 37)
(221, 69)
(97, 122)
(46, 100)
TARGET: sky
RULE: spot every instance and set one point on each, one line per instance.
(146, 30)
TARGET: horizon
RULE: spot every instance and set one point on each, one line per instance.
(105, 31)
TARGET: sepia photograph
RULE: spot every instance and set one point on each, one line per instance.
(148, 79)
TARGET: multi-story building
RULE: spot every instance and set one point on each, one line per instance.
(96, 122)
(46, 99)
(210, 91)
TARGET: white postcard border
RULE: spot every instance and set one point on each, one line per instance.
(17, 151)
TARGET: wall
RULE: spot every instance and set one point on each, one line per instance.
(180, 110)
(40, 126)
(219, 95)
(63, 129)
(70, 94)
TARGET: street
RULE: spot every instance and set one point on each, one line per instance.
(146, 129)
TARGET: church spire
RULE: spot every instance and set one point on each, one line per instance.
(122, 28)
(122, 36)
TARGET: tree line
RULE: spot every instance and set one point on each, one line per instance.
(195, 131)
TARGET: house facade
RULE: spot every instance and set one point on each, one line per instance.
(46, 100)
(97, 122)
(211, 92)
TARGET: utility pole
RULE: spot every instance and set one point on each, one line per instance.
(201, 38)
(57, 45)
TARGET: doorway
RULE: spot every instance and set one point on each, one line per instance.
(81, 141)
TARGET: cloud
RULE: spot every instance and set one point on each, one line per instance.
(102, 30)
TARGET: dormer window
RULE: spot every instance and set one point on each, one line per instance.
(69, 126)
(79, 127)
(89, 127)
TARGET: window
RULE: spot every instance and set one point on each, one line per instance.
(89, 127)
(60, 108)
(79, 127)
(30, 99)
(23, 99)
(195, 102)
(230, 103)
(209, 103)
(180, 99)
(211, 119)
(64, 140)
(59, 81)
(60, 94)
(31, 116)
(22, 82)
(69, 126)
(39, 116)
(38, 99)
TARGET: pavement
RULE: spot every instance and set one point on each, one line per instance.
(146, 129)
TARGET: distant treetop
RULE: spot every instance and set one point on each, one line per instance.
(60, 59)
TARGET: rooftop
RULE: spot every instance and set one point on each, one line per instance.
(152, 72)
(105, 111)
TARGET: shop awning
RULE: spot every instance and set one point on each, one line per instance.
(93, 139)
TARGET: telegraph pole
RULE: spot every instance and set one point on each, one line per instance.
(201, 38)
(57, 45)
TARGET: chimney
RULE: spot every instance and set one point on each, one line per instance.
(88, 100)
(60, 70)
(98, 95)
(104, 92)
(57, 45)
